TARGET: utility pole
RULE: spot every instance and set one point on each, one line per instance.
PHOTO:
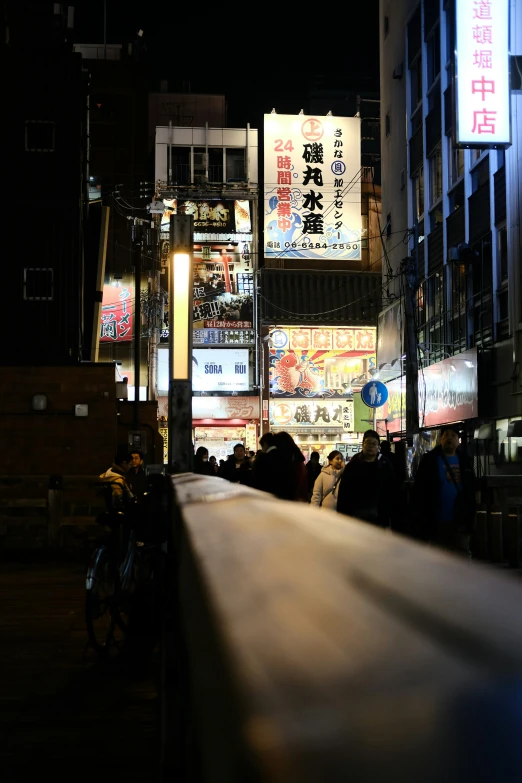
(409, 270)
(137, 240)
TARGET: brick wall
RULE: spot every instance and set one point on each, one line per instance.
(55, 440)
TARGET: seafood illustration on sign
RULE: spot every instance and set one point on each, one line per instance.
(291, 372)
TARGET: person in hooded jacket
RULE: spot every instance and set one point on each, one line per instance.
(327, 482)
(368, 489)
(202, 464)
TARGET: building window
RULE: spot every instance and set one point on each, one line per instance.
(386, 25)
(433, 57)
(482, 292)
(456, 197)
(236, 169)
(502, 255)
(39, 136)
(418, 193)
(435, 164)
(455, 162)
(38, 284)
(415, 84)
(457, 305)
(387, 124)
(480, 175)
(388, 225)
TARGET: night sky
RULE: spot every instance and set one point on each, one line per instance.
(255, 58)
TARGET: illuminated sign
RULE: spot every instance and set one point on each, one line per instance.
(228, 407)
(316, 414)
(220, 369)
(482, 62)
(312, 187)
(210, 216)
(116, 313)
(448, 390)
(317, 361)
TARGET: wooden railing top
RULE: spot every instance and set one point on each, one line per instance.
(357, 654)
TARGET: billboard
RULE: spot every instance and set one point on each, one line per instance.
(116, 313)
(220, 216)
(315, 414)
(312, 187)
(217, 369)
(327, 362)
(223, 289)
(482, 69)
(448, 390)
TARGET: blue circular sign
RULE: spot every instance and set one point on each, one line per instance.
(374, 394)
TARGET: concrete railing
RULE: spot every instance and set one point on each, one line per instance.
(302, 645)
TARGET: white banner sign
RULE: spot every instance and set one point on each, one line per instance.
(220, 369)
(218, 407)
(312, 413)
(483, 97)
(312, 187)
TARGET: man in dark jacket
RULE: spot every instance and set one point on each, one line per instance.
(136, 476)
(443, 496)
(368, 489)
(238, 467)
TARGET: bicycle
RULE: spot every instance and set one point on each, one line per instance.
(120, 571)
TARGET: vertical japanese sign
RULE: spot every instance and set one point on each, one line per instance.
(116, 313)
(482, 62)
(312, 187)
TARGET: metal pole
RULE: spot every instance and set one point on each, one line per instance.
(137, 328)
(180, 445)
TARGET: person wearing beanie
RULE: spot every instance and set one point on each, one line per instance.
(443, 497)
(367, 489)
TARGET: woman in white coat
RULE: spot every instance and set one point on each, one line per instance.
(327, 482)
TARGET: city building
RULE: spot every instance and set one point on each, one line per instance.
(449, 334)
(319, 288)
(212, 173)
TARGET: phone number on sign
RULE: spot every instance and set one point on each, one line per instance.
(322, 245)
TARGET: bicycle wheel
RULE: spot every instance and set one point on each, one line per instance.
(100, 588)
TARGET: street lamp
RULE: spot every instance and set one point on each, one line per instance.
(180, 446)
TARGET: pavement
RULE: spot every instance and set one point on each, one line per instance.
(65, 715)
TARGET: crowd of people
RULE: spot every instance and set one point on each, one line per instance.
(439, 508)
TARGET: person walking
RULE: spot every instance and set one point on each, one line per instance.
(238, 467)
(444, 493)
(280, 468)
(313, 469)
(326, 485)
(367, 488)
(202, 465)
(115, 481)
(136, 476)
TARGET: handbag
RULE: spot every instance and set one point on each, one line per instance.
(332, 489)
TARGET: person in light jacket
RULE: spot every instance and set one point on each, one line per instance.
(327, 482)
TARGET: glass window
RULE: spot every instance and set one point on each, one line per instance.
(236, 170)
(433, 57)
(455, 162)
(480, 175)
(417, 183)
(502, 255)
(415, 84)
(435, 164)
